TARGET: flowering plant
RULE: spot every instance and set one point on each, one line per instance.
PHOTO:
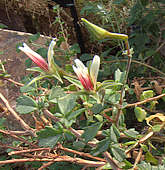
(88, 77)
(48, 69)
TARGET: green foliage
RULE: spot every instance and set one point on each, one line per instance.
(2, 26)
(145, 22)
(66, 103)
(34, 37)
(140, 113)
(26, 104)
(49, 137)
(95, 121)
(131, 133)
(91, 131)
(118, 153)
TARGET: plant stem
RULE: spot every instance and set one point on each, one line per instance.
(124, 83)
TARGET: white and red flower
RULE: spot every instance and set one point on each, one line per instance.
(88, 78)
(35, 57)
(39, 60)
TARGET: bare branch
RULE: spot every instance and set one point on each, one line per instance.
(17, 117)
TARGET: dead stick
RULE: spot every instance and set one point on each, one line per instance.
(145, 101)
(20, 133)
(80, 153)
(76, 133)
(28, 150)
(17, 117)
(45, 165)
(142, 140)
(16, 137)
(58, 159)
(138, 158)
(111, 161)
(138, 103)
(15, 82)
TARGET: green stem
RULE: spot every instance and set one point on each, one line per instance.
(124, 83)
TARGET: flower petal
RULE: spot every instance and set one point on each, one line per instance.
(35, 57)
(94, 69)
(80, 77)
(83, 75)
(51, 53)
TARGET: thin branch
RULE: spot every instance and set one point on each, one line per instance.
(124, 82)
(138, 158)
(13, 81)
(75, 132)
(138, 103)
(145, 101)
(142, 140)
(80, 153)
(45, 165)
(28, 150)
(111, 161)
(58, 159)
(20, 133)
(16, 137)
(17, 117)
(9, 147)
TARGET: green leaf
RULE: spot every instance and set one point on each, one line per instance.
(35, 69)
(2, 26)
(114, 133)
(146, 95)
(48, 132)
(43, 52)
(28, 63)
(99, 117)
(163, 98)
(114, 98)
(156, 128)
(55, 93)
(109, 84)
(50, 141)
(118, 153)
(76, 113)
(143, 165)
(25, 104)
(34, 37)
(38, 78)
(75, 47)
(74, 81)
(97, 108)
(117, 2)
(131, 133)
(78, 145)
(67, 123)
(86, 57)
(26, 89)
(149, 158)
(140, 114)
(119, 76)
(49, 136)
(128, 165)
(106, 166)
(67, 103)
(91, 131)
(102, 146)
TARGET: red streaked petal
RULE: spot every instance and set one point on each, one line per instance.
(35, 57)
(40, 62)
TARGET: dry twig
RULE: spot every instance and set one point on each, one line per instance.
(57, 159)
(17, 117)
